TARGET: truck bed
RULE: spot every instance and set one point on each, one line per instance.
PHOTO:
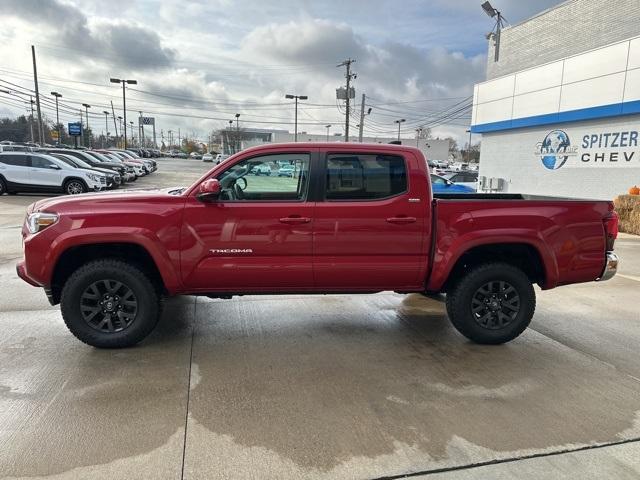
(507, 196)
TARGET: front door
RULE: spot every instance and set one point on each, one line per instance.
(257, 236)
(371, 226)
(45, 173)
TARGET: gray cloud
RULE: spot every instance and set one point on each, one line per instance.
(122, 44)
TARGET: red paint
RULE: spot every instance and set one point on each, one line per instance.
(317, 245)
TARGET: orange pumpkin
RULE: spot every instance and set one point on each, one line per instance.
(634, 190)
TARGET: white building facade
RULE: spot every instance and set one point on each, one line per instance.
(565, 126)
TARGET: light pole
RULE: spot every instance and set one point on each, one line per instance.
(297, 97)
(87, 107)
(238, 132)
(327, 127)
(120, 123)
(399, 122)
(106, 129)
(469, 147)
(229, 138)
(124, 102)
(57, 95)
(418, 133)
(133, 137)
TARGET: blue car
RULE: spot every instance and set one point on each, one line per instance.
(442, 185)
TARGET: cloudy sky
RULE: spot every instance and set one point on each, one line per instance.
(199, 62)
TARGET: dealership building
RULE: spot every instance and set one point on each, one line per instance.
(559, 113)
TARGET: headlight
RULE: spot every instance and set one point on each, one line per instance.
(40, 220)
(93, 177)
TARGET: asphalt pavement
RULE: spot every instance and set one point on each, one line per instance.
(320, 387)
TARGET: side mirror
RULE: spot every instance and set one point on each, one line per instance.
(53, 166)
(209, 190)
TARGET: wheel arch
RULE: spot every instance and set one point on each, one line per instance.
(525, 256)
(76, 256)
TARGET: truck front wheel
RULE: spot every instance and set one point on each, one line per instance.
(110, 304)
(493, 303)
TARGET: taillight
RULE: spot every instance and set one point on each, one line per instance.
(611, 229)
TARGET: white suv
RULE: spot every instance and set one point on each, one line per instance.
(37, 172)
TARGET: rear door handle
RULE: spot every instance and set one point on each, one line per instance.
(295, 220)
(401, 220)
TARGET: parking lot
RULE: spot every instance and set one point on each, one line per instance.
(341, 386)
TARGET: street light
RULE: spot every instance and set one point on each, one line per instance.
(297, 97)
(239, 144)
(229, 138)
(57, 95)
(399, 122)
(120, 123)
(327, 127)
(106, 129)
(492, 13)
(469, 147)
(124, 102)
(87, 107)
(133, 138)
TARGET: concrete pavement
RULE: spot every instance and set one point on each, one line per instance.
(323, 387)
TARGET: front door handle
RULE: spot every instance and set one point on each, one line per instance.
(295, 220)
(401, 220)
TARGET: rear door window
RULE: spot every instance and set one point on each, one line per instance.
(15, 160)
(364, 176)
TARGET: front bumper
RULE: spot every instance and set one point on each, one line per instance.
(610, 267)
(21, 270)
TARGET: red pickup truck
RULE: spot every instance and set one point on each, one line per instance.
(311, 218)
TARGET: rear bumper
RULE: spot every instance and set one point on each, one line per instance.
(610, 267)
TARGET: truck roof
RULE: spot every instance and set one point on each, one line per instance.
(342, 146)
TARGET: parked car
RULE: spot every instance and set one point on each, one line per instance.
(286, 171)
(130, 174)
(91, 160)
(261, 169)
(364, 219)
(467, 178)
(221, 157)
(114, 180)
(442, 185)
(38, 172)
(207, 157)
(195, 156)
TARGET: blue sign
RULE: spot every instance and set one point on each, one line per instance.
(75, 129)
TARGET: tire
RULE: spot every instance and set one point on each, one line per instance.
(74, 187)
(86, 317)
(3, 186)
(492, 304)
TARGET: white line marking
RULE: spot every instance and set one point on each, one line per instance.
(629, 277)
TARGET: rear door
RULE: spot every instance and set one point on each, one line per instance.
(15, 168)
(372, 222)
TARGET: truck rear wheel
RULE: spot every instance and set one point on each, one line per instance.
(491, 304)
(110, 304)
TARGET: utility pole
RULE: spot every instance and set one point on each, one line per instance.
(31, 101)
(87, 107)
(361, 119)
(327, 127)
(349, 76)
(105, 140)
(115, 125)
(35, 79)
